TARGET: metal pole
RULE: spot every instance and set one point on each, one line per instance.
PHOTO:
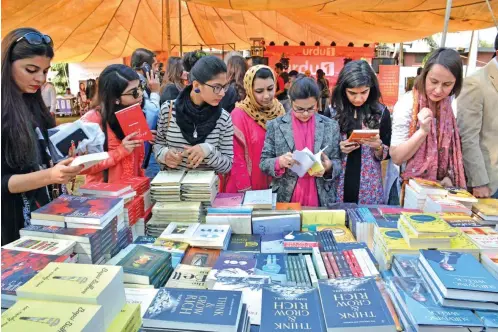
(446, 21)
(180, 25)
(401, 54)
(167, 27)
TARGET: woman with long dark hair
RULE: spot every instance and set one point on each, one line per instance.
(29, 178)
(323, 85)
(299, 129)
(194, 131)
(236, 70)
(174, 79)
(249, 119)
(118, 87)
(425, 138)
(356, 102)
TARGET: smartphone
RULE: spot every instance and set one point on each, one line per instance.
(146, 68)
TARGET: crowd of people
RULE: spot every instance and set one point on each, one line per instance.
(244, 121)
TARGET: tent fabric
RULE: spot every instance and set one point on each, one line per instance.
(98, 30)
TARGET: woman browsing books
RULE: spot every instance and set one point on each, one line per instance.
(194, 132)
(119, 87)
(425, 139)
(301, 129)
(29, 177)
(250, 118)
(356, 102)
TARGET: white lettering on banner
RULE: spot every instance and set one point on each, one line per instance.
(329, 51)
(327, 67)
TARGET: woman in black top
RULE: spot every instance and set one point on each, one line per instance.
(356, 101)
(174, 78)
(236, 70)
(29, 178)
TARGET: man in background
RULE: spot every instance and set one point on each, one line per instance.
(478, 124)
(281, 93)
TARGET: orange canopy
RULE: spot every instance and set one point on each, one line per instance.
(97, 30)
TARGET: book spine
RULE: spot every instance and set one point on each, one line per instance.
(321, 240)
(304, 270)
(319, 264)
(332, 240)
(328, 266)
(349, 262)
(356, 263)
(288, 271)
(297, 271)
(311, 270)
(292, 270)
(333, 264)
(366, 258)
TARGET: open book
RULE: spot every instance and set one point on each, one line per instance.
(307, 162)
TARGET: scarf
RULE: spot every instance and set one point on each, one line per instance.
(440, 155)
(259, 114)
(195, 122)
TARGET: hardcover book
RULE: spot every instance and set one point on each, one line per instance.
(132, 120)
(353, 304)
(194, 309)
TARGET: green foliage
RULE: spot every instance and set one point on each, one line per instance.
(484, 43)
(61, 79)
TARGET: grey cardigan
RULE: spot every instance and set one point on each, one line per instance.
(280, 140)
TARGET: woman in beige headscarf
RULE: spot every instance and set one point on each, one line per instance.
(249, 119)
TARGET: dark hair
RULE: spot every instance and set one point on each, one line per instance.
(304, 88)
(320, 73)
(263, 73)
(449, 59)
(113, 81)
(279, 65)
(496, 42)
(190, 59)
(236, 70)
(174, 72)
(91, 88)
(354, 75)
(419, 70)
(141, 55)
(206, 68)
(20, 111)
(293, 73)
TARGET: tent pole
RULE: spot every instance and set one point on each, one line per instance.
(401, 55)
(180, 25)
(167, 21)
(446, 22)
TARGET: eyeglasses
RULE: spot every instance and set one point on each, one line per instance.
(217, 88)
(135, 93)
(302, 110)
(35, 38)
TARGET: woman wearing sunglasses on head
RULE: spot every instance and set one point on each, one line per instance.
(118, 88)
(193, 130)
(29, 177)
(302, 128)
(356, 102)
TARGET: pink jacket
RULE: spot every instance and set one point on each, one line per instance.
(120, 163)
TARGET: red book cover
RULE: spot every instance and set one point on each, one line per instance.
(334, 265)
(356, 263)
(132, 119)
(138, 183)
(105, 188)
(328, 266)
(350, 263)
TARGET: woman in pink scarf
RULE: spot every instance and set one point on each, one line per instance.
(425, 139)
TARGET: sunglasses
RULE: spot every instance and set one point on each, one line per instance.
(35, 38)
(217, 88)
(135, 93)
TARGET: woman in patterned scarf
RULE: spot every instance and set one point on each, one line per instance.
(249, 118)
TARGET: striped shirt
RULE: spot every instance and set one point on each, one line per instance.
(218, 145)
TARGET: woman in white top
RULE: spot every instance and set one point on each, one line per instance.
(425, 140)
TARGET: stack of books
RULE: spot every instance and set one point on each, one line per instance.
(175, 248)
(101, 189)
(239, 218)
(259, 199)
(141, 185)
(462, 196)
(461, 220)
(18, 267)
(362, 223)
(487, 210)
(189, 276)
(78, 283)
(228, 201)
(129, 319)
(134, 210)
(443, 204)
(176, 309)
(485, 238)
(41, 245)
(417, 190)
(387, 243)
(490, 262)
(165, 213)
(141, 296)
(426, 230)
(348, 264)
(200, 186)
(199, 235)
(144, 266)
(165, 187)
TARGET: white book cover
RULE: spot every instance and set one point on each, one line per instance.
(90, 160)
(42, 245)
(258, 197)
(252, 292)
(142, 296)
(311, 270)
(319, 265)
(180, 206)
(168, 177)
(206, 178)
(179, 231)
(240, 224)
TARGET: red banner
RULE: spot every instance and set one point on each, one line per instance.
(355, 53)
(389, 84)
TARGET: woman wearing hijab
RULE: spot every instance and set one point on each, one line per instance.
(249, 118)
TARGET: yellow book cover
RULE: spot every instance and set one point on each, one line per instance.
(314, 218)
(42, 316)
(341, 233)
(462, 242)
(460, 194)
(427, 224)
(80, 283)
(455, 216)
(392, 239)
(487, 206)
(411, 235)
(126, 319)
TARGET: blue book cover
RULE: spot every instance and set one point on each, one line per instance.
(190, 309)
(354, 303)
(254, 328)
(406, 265)
(234, 264)
(421, 308)
(276, 224)
(272, 265)
(245, 242)
(489, 319)
(232, 210)
(272, 243)
(383, 222)
(291, 308)
(459, 271)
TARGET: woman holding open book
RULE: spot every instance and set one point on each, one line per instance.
(249, 119)
(356, 102)
(118, 88)
(302, 129)
(193, 131)
(425, 139)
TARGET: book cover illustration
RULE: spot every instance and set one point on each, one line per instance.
(211, 232)
(245, 242)
(18, 267)
(201, 257)
(234, 264)
(406, 265)
(188, 276)
(143, 260)
(272, 265)
(193, 306)
(428, 223)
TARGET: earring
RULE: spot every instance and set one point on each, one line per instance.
(197, 90)
(117, 102)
